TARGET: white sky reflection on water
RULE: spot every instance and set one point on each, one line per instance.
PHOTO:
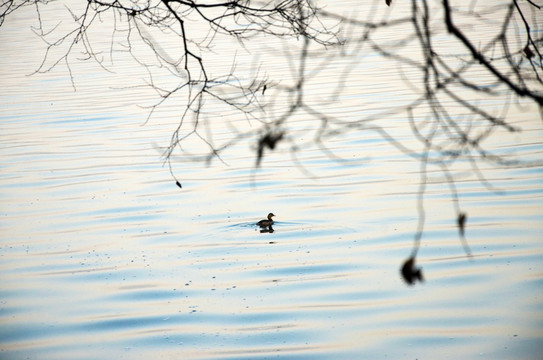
(102, 256)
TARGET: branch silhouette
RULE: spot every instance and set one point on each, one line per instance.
(445, 120)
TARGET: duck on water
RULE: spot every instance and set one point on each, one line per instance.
(266, 222)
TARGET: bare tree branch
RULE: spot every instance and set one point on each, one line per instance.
(448, 121)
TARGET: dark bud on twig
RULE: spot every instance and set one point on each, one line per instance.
(528, 52)
(462, 223)
(269, 140)
(388, 2)
(462, 218)
(264, 89)
(410, 273)
(178, 184)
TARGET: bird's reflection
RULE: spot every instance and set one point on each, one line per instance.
(266, 229)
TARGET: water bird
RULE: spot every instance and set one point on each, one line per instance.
(266, 222)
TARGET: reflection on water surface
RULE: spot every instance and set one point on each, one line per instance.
(103, 256)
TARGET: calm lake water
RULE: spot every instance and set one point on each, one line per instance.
(103, 256)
